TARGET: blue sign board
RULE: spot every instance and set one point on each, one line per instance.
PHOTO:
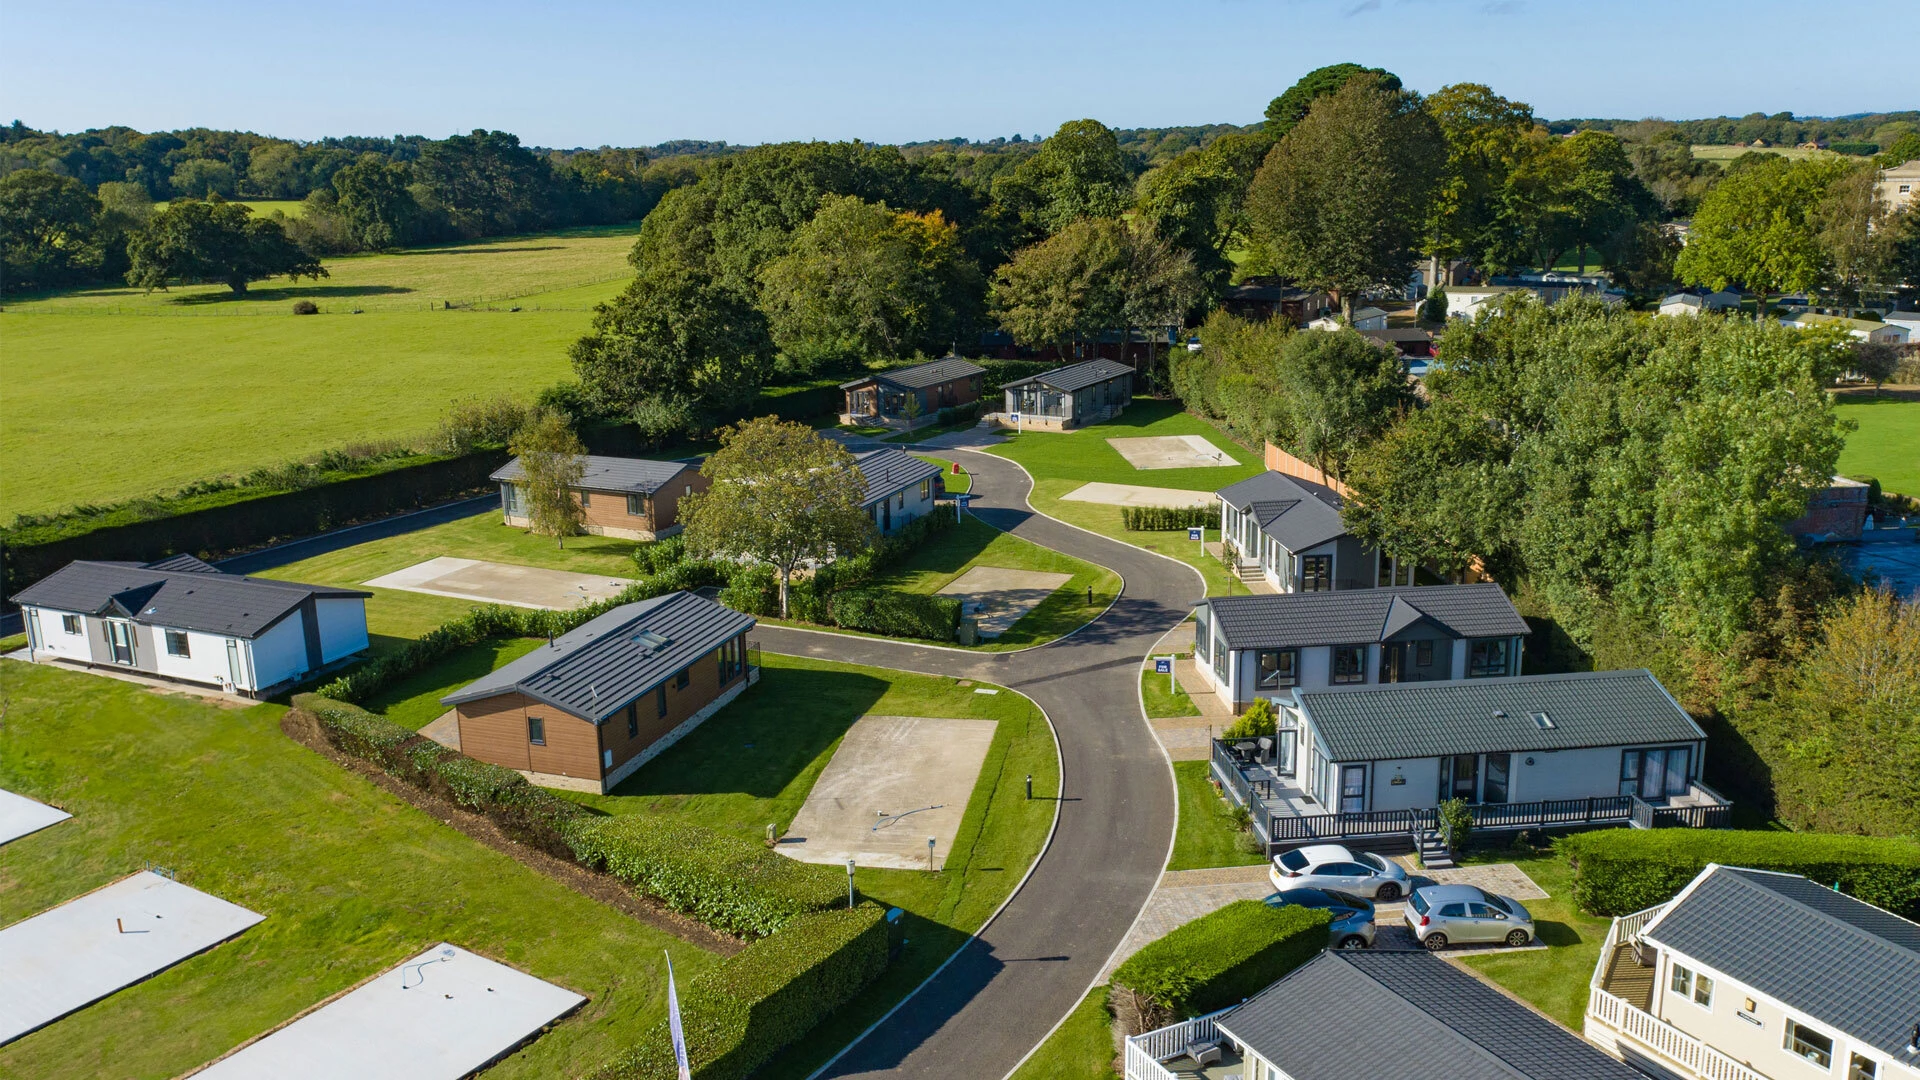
(1163, 665)
(1195, 534)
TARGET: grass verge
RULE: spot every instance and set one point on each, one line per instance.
(1080, 1049)
(1555, 980)
(947, 555)
(1208, 835)
(1887, 444)
(1161, 702)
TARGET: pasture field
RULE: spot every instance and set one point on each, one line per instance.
(1887, 444)
(262, 207)
(1724, 154)
(173, 387)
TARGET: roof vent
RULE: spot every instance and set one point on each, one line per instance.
(1543, 721)
(650, 642)
(1499, 714)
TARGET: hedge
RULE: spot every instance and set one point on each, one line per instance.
(1168, 518)
(1224, 958)
(897, 614)
(531, 814)
(745, 1009)
(732, 884)
(1619, 871)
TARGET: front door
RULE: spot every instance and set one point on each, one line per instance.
(886, 514)
(1499, 767)
(1393, 657)
(120, 641)
(1459, 777)
(1353, 789)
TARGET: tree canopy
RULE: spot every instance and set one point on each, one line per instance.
(47, 230)
(1292, 106)
(214, 241)
(1079, 173)
(1093, 276)
(1759, 228)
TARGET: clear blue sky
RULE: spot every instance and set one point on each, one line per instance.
(571, 73)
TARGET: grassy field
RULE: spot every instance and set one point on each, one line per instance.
(1161, 700)
(1082, 1049)
(1208, 835)
(352, 881)
(241, 392)
(1554, 981)
(263, 207)
(1724, 154)
(958, 483)
(1887, 445)
(947, 555)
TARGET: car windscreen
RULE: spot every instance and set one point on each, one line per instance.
(1374, 862)
(1293, 860)
(1500, 902)
(1348, 900)
(1419, 902)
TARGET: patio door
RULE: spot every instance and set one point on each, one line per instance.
(1393, 657)
(1283, 741)
(1460, 777)
(120, 641)
(1499, 767)
(1353, 789)
(1655, 775)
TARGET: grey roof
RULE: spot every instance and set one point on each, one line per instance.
(889, 469)
(184, 562)
(1076, 376)
(1356, 616)
(594, 670)
(1380, 1013)
(184, 598)
(1687, 298)
(636, 476)
(920, 376)
(1299, 514)
(1841, 962)
(1460, 716)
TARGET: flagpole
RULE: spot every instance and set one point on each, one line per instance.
(673, 1024)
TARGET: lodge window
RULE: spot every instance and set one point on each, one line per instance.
(510, 498)
(70, 623)
(1489, 657)
(536, 731)
(1200, 650)
(900, 499)
(660, 699)
(633, 720)
(682, 677)
(1278, 668)
(1688, 984)
(177, 643)
(1349, 663)
(1423, 653)
(636, 506)
(1862, 1069)
(1804, 1042)
(1316, 573)
(586, 498)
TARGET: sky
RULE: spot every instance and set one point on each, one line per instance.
(567, 73)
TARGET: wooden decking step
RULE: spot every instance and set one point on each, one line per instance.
(1627, 980)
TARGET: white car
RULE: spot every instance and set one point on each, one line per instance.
(1330, 866)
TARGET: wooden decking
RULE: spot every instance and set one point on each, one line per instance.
(1627, 980)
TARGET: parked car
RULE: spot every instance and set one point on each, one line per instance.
(1352, 926)
(1442, 915)
(1330, 866)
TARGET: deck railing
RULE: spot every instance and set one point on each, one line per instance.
(1681, 1051)
(1624, 930)
(1147, 1050)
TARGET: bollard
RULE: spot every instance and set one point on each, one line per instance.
(1029, 787)
(1089, 596)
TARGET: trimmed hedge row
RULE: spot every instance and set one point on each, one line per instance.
(897, 614)
(1168, 518)
(837, 593)
(1220, 959)
(530, 814)
(1619, 871)
(732, 884)
(744, 1010)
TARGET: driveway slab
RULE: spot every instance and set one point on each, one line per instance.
(1099, 491)
(502, 583)
(999, 596)
(20, 815)
(1171, 452)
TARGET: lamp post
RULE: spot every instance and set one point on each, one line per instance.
(849, 884)
(929, 854)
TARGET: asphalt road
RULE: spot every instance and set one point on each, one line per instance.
(1029, 966)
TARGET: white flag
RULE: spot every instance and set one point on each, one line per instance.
(673, 1025)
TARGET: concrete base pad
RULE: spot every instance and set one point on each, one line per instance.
(1171, 452)
(442, 1015)
(999, 596)
(891, 765)
(20, 815)
(502, 583)
(68, 957)
(1138, 495)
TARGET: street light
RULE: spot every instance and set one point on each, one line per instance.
(849, 884)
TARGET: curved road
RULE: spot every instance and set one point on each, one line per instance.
(999, 997)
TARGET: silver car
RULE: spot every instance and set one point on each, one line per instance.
(1330, 866)
(1442, 915)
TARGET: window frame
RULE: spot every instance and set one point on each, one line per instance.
(185, 651)
(586, 498)
(1680, 980)
(926, 489)
(633, 719)
(1703, 982)
(536, 730)
(1855, 1071)
(1323, 579)
(1787, 1040)
(1423, 653)
(71, 624)
(1359, 673)
(636, 506)
(660, 700)
(1284, 675)
(1478, 666)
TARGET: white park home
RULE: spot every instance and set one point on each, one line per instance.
(1757, 975)
(183, 620)
(1290, 532)
(900, 487)
(1858, 329)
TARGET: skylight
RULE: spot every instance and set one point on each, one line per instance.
(1542, 721)
(651, 642)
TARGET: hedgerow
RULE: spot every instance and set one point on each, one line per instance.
(897, 614)
(1168, 518)
(1217, 960)
(1619, 871)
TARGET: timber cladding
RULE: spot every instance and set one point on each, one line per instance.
(703, 685)
(496, 729)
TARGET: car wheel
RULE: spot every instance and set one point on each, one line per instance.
(1353, 941)
(1389, 891)
(1517, 938)
(1434, 941)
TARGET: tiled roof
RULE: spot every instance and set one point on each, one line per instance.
(1075, 377)
(1299, 514)
(1460, 716)
(1349, 1014)
(920, 376)
(1841, 962)
(1356, 616)
(594, 670)
(636, 476)
(187, 599)
(889, 469)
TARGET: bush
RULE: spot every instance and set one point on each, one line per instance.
(1218, 960)
(1259, 720)
(741, 1012)
(945, 416)
(1168, 518)
(753, 590)
(897, 614)
(660, 555)
(1618, 871)
(732, 884)
(305, 307)
(1456, 823)
(482, 422)
(1857, 149)
(358, 733)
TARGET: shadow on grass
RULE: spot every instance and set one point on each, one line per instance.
(948, 552)
(414, 701)
(1556, 933)
(758, 744)
(288, 292)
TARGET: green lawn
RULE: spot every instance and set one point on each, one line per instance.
(947, 555)
(414, 702)
(1887, 445)
(1082, 1048)
(1554, 981)
(1161, 699)
(352, 881)
(248, 391)
(1207, 835)
(958, 483)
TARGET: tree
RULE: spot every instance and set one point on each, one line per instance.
(214, 241)
(1852, 219)
(781, 495)
(1902, 150)
(863, 283)
(1080, 172)
(552, 461)
(1292, 106)
(47, 230)
(1335, 393)
(1486, 137)
(197, 178)
(1875, 361)
(1197, 202)
(1095, 275)
(677, 343)
(373, 197)
(1759, 228)
(486, 184)
(1341, 200)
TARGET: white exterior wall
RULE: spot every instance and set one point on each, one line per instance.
(279, 654)
(343, 628)
(205, 662)
(1564, 774)
(1421, 789)
(56, 641)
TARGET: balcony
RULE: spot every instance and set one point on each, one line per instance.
(1164, 1054)
(1618, 999)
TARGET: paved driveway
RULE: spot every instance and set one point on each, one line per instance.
(502, 583)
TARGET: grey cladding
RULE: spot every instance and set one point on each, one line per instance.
(889, 470)
(634, 476)
(1360, 616)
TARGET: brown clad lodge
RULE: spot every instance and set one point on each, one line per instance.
(632, 498)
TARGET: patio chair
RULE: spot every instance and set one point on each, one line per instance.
(1204, 1053)
(1266, 750)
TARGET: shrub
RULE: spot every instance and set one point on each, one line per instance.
(742, 1011)
(482, 422)
(1218, 960)
(305, 307)
(753, 590)
(660, 555)
(732, 884)
(1856, 149)
(1617, 871)
(356, 732)
(1456, 823)
(1259, 720)
(1168, 518)
(945, 415)
(897, 614)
